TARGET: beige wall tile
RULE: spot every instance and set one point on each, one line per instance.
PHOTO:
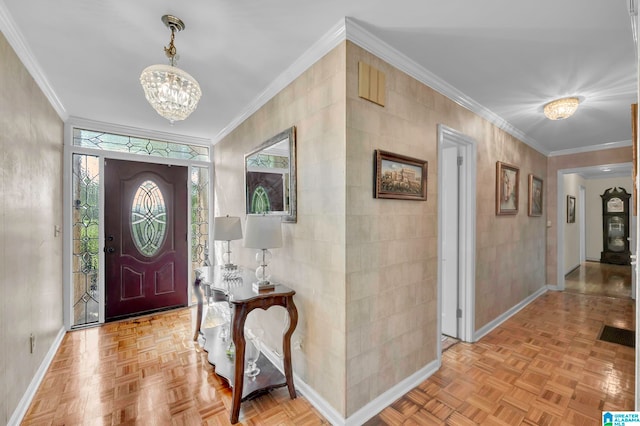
(397, 240)
(30, 208)
(312, 259)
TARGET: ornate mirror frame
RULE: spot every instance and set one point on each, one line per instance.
(269, 171)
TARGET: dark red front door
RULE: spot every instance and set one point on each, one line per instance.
(145, 237)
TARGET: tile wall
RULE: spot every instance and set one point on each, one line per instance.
(312, 259)
(31, 135)
(392, 244)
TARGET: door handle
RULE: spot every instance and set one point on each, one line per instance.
(109, 249)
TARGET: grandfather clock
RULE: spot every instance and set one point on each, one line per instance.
(615, 226)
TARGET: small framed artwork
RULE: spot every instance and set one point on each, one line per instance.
(507, 185)
(398, 176)
(535, 196)
(571, 209)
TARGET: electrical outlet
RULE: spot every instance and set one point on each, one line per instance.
(32, 342)
(297, 344)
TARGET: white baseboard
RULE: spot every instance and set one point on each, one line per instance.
(25, 401)
(320, 404)
(505, 316)
(368, 411)
(384, 400)
(570, 270)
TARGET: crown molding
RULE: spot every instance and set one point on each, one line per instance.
(20, 46)
(590, 148)
(320, 48)
(363, 38)
(348, 29)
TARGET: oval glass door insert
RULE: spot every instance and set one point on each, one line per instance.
(148, 218)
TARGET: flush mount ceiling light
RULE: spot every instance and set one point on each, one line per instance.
(561, 108)
(172, 92)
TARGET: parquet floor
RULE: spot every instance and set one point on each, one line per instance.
(544, 366)
(148, 371)
(600, 279)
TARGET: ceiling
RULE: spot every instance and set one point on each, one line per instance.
(502, 57)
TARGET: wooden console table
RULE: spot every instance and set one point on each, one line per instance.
(238, 292)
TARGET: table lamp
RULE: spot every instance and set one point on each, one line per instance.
(263, 232)
(227, 228)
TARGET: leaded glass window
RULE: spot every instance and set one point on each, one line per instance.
(140, 146)
(199, 214)
(268, 161)
(85, 235)
(260, 201)
(148, 218)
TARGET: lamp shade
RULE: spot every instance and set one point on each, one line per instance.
(263, 232)
(227, 228)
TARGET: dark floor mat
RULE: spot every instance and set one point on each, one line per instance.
(619, 336)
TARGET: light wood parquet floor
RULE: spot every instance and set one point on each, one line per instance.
(148, 371)
(544, 366)
(600, 279)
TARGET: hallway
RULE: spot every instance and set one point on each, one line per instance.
(545, 365)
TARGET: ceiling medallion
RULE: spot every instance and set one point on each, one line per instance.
(561, 108)
(172, 92)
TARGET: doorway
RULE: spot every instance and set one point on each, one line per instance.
(456, 236)
(145, 237)
(589, 173)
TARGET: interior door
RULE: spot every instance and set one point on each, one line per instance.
(450, 242)
(145, 237)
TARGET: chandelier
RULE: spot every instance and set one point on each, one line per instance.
(172, 92)
(561, 108)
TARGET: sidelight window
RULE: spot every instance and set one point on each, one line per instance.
(85, 217)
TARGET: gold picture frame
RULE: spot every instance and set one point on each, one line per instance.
(535, 195)
(507, 188)
(400, 177)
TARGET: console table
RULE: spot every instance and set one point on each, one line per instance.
(238, 292)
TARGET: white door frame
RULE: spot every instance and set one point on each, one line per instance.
(467, 231)
(582, 222)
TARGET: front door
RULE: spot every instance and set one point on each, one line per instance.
(145, 237)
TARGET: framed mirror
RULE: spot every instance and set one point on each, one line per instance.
(270, 177)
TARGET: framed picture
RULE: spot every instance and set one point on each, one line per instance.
(571, 209)
(507, 185)
(535, 196)
(398, 176)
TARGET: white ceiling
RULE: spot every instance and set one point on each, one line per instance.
(504, 57)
